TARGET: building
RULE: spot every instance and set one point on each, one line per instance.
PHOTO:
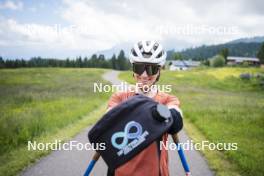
(231, 60)
(183, 64)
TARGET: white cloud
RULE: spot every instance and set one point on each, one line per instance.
(126, 21)
(11, 5)
(101, 25)
(15, 33)
(109, 28)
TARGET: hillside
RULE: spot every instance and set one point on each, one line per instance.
(247, 47)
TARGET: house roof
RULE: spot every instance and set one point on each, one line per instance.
(241, 59)
(185, 63)
(178, 63)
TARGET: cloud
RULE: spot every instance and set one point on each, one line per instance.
(108, 27)
(15, 33)
(11, 5)
(101, 25)
(126, 21)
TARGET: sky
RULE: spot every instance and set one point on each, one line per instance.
(70, 28)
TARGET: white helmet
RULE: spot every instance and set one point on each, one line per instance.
(148, 52)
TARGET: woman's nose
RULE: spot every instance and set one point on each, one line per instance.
(144, 74)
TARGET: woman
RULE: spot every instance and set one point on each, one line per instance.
(147, 58)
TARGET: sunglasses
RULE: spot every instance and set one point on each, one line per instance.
(151, 69)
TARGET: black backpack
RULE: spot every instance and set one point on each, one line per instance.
(129, 128)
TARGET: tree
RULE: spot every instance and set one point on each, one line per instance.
(260, 54)
(177, 56)
(78, 62)
(224, 52)
(93, 61)
(217, 61)
(114, 62)
(102, 62)
(122, 61)
(85, 62)
(68, 63)
(2, 63)
(206, 62)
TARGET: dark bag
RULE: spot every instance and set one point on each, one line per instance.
(129, 128)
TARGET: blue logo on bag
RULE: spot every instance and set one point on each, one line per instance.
(138, 137)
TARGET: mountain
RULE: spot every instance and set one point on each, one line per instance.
(245, 47)
(116, 49)
(257, 39)
(172, 45)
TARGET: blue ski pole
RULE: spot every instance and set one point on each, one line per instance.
(181, 155)
(183, 159)
(91, 164)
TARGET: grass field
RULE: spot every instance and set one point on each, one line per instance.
(44, 104)
(223, 108)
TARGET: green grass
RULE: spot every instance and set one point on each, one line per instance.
(44, 104)
(223, 108)
(218, 161)
(14, 161)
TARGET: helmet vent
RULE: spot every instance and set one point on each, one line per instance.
(146, 54)
(155, 46)
(134, 52)
(160, 54)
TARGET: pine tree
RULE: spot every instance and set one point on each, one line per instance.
(224, 52)
(121, 60)
(114, 62)
(2, 63)
(260, 54)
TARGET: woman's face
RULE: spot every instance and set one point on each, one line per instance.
(144, 79)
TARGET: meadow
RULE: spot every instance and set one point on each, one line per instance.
(220, 106)
(44, 104)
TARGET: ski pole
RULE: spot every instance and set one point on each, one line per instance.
(91, 164)
(183, 159)
(181, 155)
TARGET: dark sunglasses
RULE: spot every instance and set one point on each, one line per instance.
(151, 69)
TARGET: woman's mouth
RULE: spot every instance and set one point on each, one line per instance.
(144, 82)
